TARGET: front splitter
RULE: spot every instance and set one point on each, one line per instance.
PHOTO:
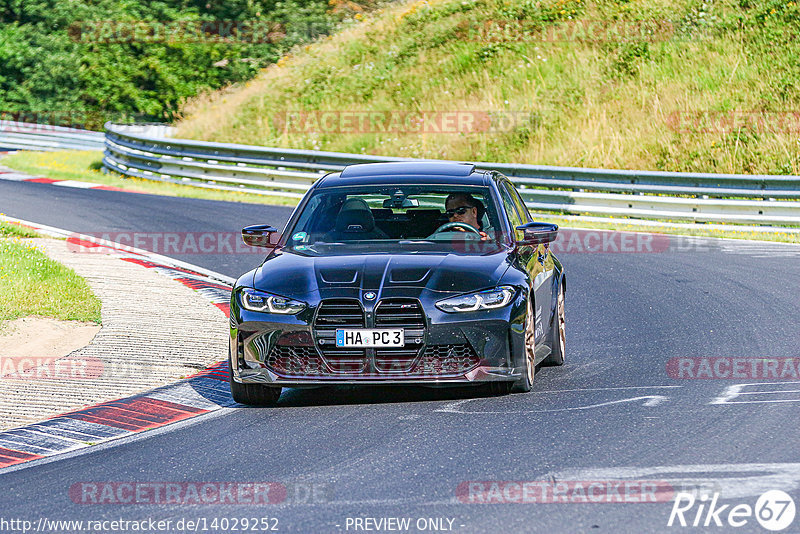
(476, 376)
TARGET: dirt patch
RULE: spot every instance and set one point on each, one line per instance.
(39, 337)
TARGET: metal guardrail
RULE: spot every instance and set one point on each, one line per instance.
(146, 151)
(44, 137)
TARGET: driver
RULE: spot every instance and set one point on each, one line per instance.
(464, 208)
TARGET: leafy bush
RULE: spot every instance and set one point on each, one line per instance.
(64, 62)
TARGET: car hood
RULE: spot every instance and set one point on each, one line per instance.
(294, 275)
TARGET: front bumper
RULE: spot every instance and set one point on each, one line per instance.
(448, 349)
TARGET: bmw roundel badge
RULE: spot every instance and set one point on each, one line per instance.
(369, 295)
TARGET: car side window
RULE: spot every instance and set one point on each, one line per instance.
(313, 209)
(518, 202)
(511, 209)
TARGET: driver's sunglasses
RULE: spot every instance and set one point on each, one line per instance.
(460, 210)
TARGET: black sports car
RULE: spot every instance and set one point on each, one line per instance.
(428, 273)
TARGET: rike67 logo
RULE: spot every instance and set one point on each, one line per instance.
(774, 510)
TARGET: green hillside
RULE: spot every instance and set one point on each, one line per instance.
(680, 85)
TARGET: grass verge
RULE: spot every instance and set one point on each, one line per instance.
(86, 166)
(33, 284)
(8, 229)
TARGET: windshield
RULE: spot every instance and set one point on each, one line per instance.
(394, 219)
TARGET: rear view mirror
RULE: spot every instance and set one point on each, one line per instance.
(537, 233)
(400, 202)
(261, 235)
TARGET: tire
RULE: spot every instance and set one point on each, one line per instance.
(559, 333)
(253, 394)
(524, 384)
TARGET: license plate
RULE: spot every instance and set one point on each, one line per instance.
(370, 337)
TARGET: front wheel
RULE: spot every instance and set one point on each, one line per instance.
(524, 384)
(559, 335)
(253, 394)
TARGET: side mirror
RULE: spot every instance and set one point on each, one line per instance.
(537, 233)
(261, 235)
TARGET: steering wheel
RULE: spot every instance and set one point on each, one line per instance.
(450, 225)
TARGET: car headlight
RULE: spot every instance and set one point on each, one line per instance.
(260, 301)
(482, 300)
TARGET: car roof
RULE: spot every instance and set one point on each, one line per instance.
(406, 172)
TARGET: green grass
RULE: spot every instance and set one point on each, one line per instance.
(33, 284)
(86, 166)
(8, 229)
(618, 102)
